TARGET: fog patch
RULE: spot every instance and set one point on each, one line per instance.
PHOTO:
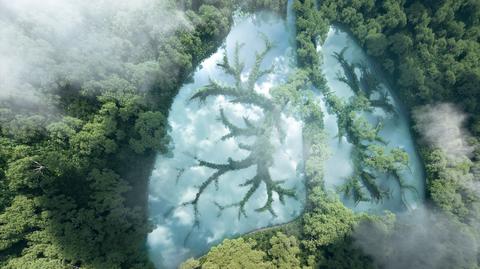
(425, 237)
(441, 126)
(100, 45)
(420, 239)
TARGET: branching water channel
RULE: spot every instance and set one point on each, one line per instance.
(236, 162)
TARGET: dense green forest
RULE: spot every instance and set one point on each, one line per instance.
(74, 169)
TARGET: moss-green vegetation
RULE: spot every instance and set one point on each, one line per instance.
(283, 253)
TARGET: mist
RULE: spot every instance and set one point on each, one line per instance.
(427, 237)
(442, 126)
(421, 239)
(97, 45)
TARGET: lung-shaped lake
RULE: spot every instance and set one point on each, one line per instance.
(236, 163)
(236, 160)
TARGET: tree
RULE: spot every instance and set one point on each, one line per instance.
(16, 222)
(448, 184)
(151, 128)
(326, 221)
(190, 264)
(27, 174)
(400, 43)
(376, 44)
(284, 251)
(394, 17)
(61, 132)
(26, 129)
(97, 136)
(235, 254)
